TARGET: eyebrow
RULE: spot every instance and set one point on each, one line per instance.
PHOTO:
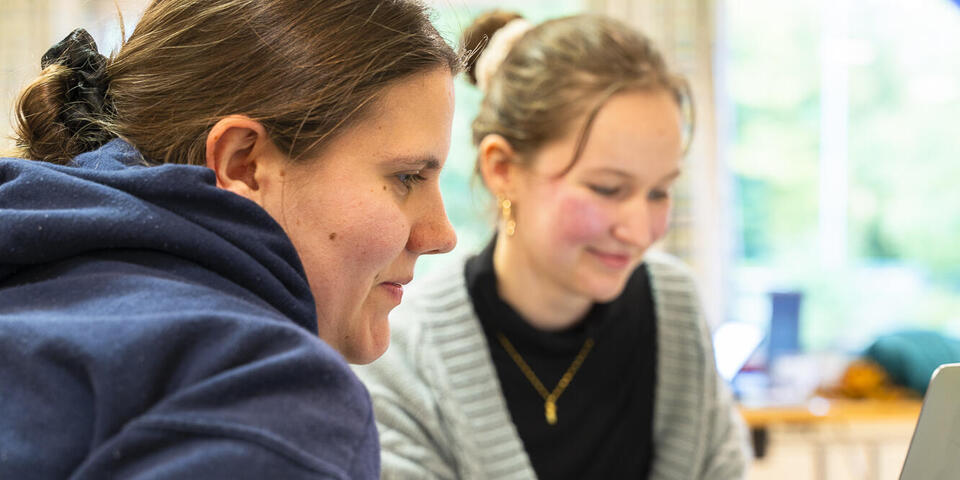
(427, 162)
(671, 176)
(620, 173)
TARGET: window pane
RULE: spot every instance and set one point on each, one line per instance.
(842, 112)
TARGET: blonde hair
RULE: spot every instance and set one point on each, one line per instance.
(560, 71)
(305, 69)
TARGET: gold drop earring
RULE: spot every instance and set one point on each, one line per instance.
(510, 225)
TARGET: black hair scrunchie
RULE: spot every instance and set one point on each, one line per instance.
(87, 86)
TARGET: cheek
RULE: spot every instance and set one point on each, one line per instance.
(373, 240)
(345, 242)
(579, 219)
(660, 223)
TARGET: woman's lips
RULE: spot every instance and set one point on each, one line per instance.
(395, 290)
(614, 261)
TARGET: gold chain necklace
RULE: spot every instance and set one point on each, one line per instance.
(550, 398)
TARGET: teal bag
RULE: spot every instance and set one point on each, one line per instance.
(911, 356)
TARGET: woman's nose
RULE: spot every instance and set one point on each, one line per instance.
(634, 228)
(433, 233)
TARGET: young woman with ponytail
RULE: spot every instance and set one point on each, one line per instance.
(567, 348)
(205, 227)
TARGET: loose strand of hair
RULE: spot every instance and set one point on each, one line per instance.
(584, 134)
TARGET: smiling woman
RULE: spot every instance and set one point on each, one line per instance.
(566, 348)
(205, 227)
(584, 228)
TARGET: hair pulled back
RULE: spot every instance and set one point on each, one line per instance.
(559, 72)
(305, 69)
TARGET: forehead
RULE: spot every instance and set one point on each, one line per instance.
(409, 119)
(429, 92)
(637, 132)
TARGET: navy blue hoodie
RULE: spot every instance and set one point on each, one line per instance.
(155, 326)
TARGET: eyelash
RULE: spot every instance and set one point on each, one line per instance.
(408, 180)
(656, 195)
(604, 191)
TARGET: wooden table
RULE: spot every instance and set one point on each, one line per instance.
(821, 411)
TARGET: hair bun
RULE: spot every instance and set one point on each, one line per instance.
(477, 36)
(77, 51)
(64, 111)
(86, 91)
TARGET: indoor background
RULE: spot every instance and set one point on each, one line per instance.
(818, 202)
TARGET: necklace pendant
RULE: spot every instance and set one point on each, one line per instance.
(551, 412)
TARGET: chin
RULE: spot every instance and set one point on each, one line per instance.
(606, 296)
(366, 354)
(605, 291)
(371, 345)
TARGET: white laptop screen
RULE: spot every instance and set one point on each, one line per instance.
(935, 449)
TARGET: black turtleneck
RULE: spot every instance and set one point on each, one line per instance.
(605, 416)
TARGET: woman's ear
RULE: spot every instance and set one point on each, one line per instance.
(239, 151)
(497, 165)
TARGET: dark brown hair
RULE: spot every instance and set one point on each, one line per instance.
(305, 69)
(559, 72)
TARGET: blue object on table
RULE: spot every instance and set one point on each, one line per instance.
(911, 356)
(784, 337)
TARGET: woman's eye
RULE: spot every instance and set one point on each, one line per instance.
(656, 195)
(605, 191)
(408, 180)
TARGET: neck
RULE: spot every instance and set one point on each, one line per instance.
(544, 304)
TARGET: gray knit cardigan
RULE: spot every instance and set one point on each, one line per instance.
(442, 415)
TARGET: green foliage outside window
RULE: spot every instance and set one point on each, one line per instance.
(902, 267)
